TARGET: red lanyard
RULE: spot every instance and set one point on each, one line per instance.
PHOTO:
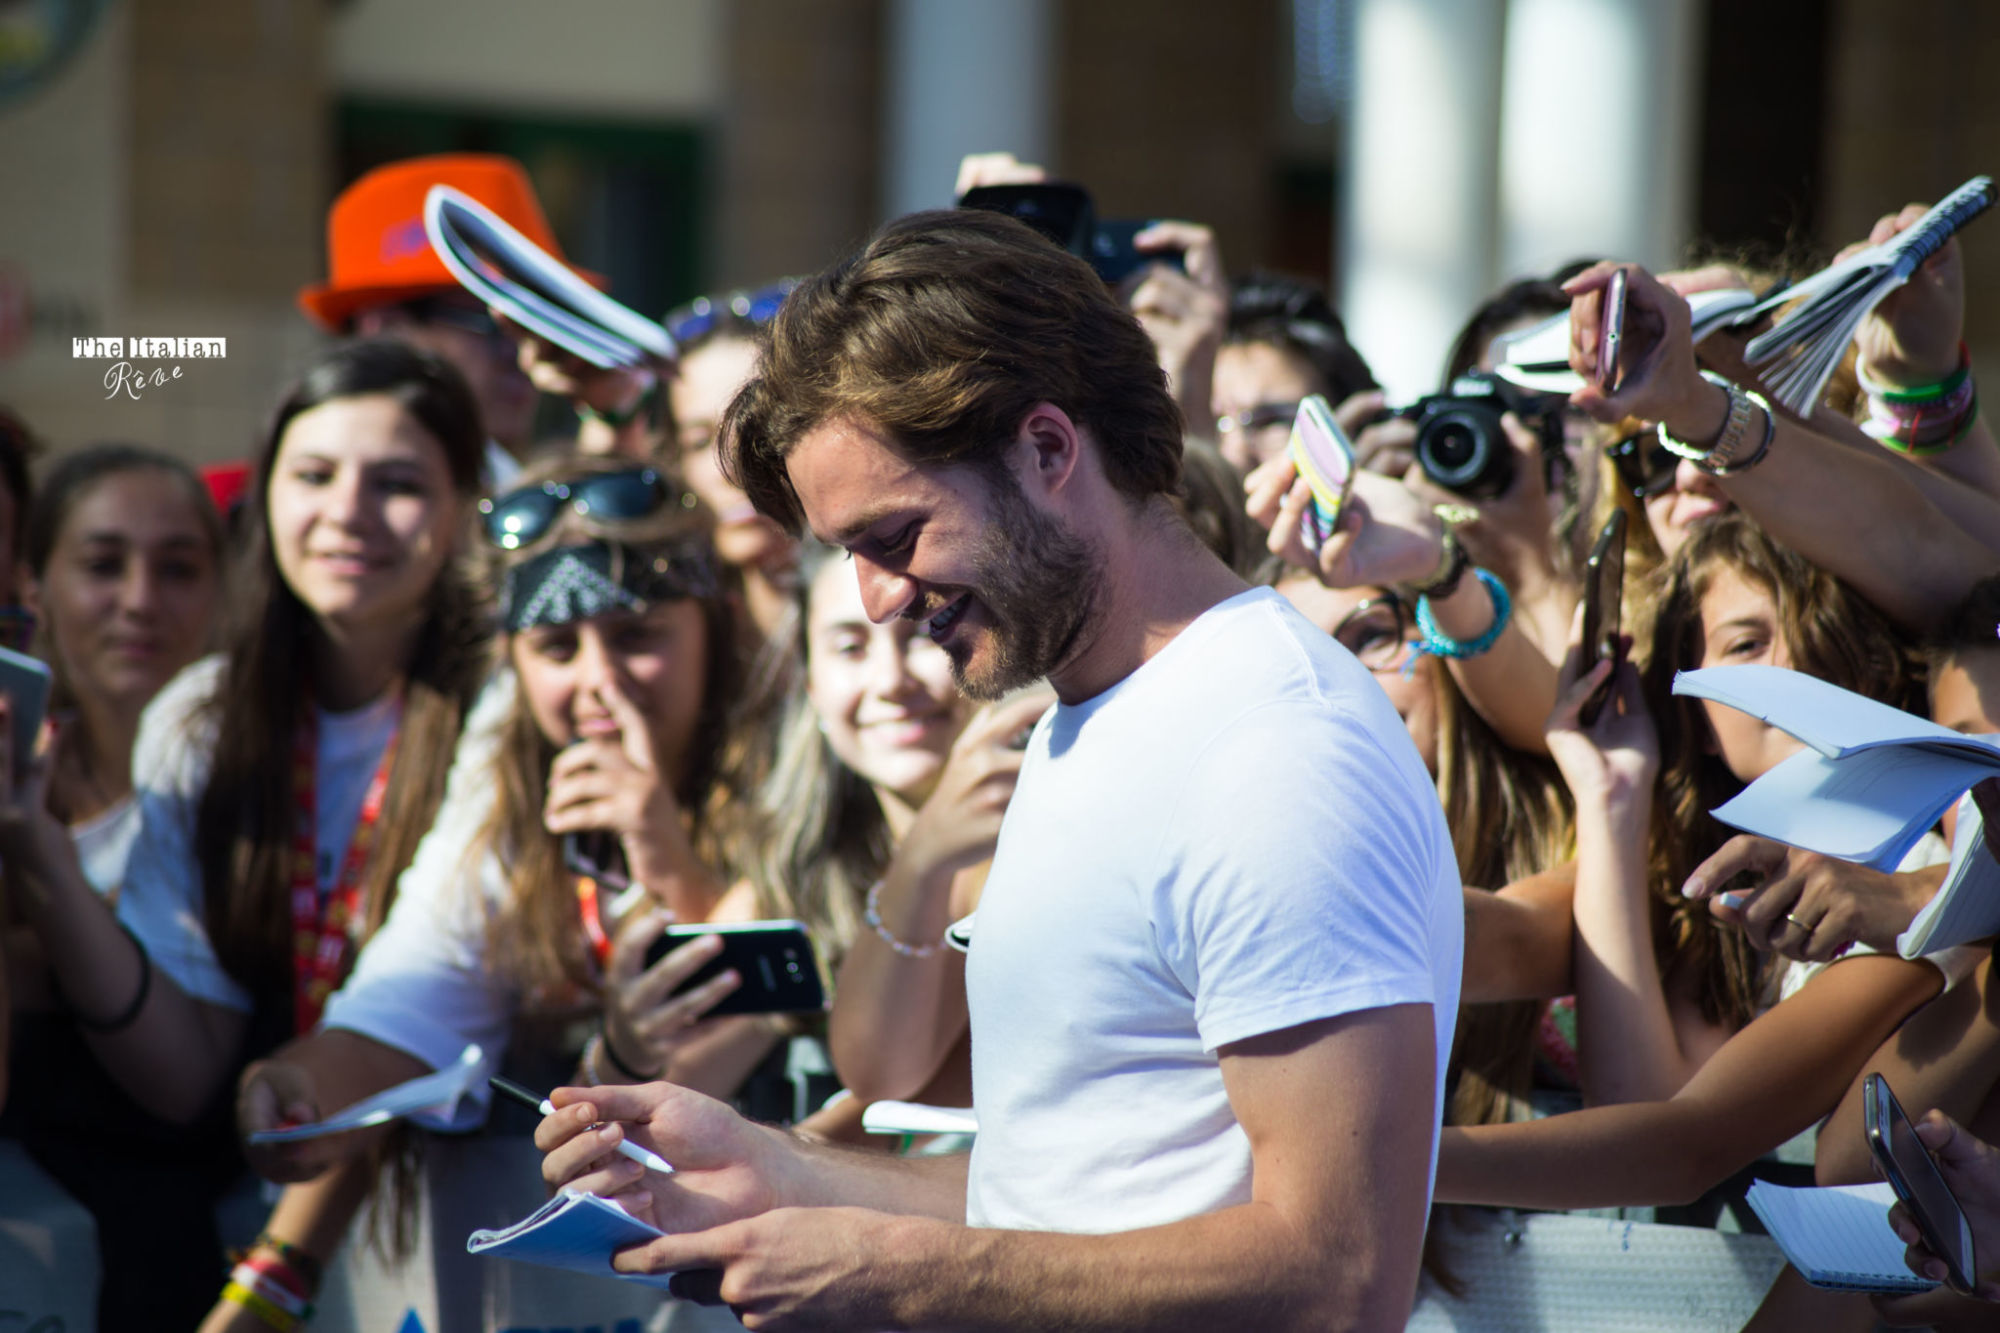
(323, 935)
(591, 907)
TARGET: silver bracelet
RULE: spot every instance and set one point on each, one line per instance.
(871, 912)
(1732, 427)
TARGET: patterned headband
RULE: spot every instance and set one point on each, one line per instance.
(574, 583)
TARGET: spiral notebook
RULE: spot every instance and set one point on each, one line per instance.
(1796, 357)
(1837, 1236)
(579, 1232)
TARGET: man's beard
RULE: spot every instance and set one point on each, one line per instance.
(1037, 581)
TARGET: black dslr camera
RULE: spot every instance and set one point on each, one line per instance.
(1460, 444)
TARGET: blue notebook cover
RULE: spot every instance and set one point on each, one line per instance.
(578, 1232)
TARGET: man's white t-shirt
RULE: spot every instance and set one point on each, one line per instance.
(162, 901)
(1236, 839)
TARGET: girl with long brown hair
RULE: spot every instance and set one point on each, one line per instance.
(282, 784)
(623, 666)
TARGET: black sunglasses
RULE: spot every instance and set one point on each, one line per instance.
(522, 516)
(1644, 464)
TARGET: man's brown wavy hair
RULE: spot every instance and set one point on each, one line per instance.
(943, 332)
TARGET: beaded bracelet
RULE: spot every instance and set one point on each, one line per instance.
(301, 1261)
(871, 912)
(235, 1293)
(1440, 644)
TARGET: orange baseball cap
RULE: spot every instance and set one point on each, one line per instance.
(376, 249)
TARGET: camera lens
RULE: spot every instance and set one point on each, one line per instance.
(1462, 448)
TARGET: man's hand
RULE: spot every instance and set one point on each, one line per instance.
(1807, 906)
(726, 1168)
(796, 1268)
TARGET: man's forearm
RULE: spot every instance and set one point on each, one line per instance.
(823, 1175)
(1243, 1267)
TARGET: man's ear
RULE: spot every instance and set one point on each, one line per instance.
(1050, 448)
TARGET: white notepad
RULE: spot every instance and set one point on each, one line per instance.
(892, 1117)
(578, 1232)
(1838, 1236)
(444, 1089)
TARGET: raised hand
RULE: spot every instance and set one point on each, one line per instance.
(645, 1023)
(958, 826)
(1387, 534)
(1912, 338)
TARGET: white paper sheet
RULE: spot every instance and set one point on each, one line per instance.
(444, 1088)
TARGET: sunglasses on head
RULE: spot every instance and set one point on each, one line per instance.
(522, 516)
(1645, 466)
(699, 317)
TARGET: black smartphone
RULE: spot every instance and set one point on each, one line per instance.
(1058, 210)
(1908, 1167)
(1114, 256)
(775, 959)
(1603, 607)
(25, 682)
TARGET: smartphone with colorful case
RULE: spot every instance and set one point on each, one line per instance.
(1324, 456)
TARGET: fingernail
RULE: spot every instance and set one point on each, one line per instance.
(1730, 899)
(585, 1112)
(610, 1134)
(1841, 952)
(1696, 887)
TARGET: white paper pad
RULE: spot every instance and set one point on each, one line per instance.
(445, 1088)
(918, 1118)
(1838, 1236)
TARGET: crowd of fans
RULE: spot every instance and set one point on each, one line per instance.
(430, 741)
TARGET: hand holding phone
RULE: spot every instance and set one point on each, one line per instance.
(1324, 456)
(25, 682)
(1603, 608)
(777, 968)
(1907, 1165)
(1611, 332)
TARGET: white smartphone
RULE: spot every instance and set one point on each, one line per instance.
(25, 682)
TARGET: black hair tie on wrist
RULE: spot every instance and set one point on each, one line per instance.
(611, 1051)
(130, 1013)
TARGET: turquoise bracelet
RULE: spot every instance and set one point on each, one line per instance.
(1440, 644)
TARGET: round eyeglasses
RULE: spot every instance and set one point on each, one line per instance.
(1377, 632)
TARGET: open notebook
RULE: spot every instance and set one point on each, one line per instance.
(1837, 1236)
(579, 1232)
(1870, 783)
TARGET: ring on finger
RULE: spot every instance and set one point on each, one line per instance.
(1795, 921)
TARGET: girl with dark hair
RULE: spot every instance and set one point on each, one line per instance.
(603, 814)
(123, 560)
(282, 785)
(1733, 597)
(1283, 342)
